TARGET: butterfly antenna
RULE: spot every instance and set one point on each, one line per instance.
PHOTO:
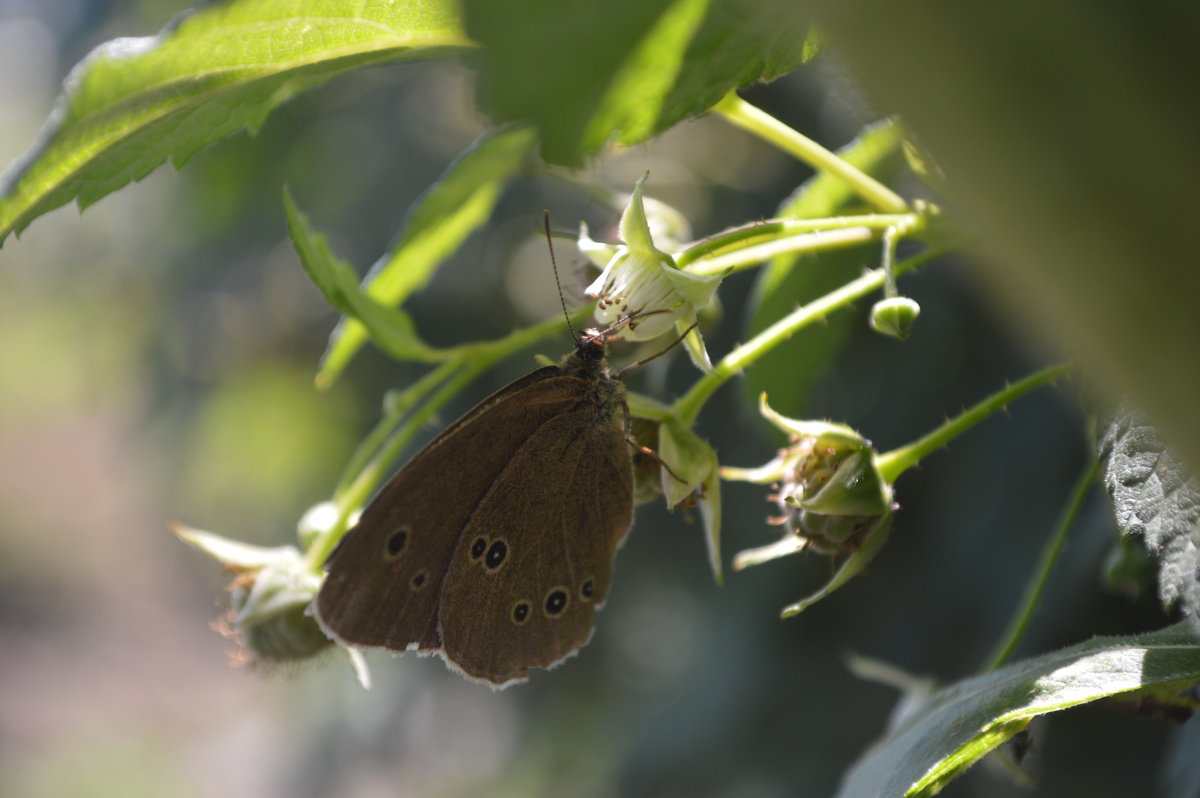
(553, 263)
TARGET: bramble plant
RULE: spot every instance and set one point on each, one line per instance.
(629, 72)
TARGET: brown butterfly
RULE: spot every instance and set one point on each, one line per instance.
(493, 547)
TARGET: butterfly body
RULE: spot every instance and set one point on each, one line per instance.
(494, 545)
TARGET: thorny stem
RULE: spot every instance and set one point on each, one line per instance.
(894, 463)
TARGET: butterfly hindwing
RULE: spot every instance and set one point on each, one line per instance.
(535, 559)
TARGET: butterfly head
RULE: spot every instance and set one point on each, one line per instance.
(591, 346)
(589, 360)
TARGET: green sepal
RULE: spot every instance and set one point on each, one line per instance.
(693, 342)
(825, 432)
(233, 554)
(786, 546)
(278, 588)
(691, 459)
(635, 229)
(709, 501)
(854, 563)
(856, 488)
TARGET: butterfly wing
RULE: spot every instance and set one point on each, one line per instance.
(536, 558)
(385, 576)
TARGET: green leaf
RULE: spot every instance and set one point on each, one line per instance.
(456, 205)
(960, 723)
(586, 72)
(1156, 499)
(135, 102)
(787, 373)
(391, 328)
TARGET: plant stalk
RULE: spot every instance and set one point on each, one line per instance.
(746, 116)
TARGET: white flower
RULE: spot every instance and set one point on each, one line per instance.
(642, 285)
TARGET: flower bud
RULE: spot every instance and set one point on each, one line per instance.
(829, 490)
(895, 316)
(270, 615)
(269, 598)
(316, 520)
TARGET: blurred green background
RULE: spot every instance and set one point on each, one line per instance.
(158, 367)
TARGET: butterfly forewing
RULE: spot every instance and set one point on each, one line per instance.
(535, 559)
(385, 577)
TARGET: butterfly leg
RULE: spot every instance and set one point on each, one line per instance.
(638, 364)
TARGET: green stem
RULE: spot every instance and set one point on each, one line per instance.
(394, 412)
(772, 230)
(361, 489)
(688, 406)
(894, 463)
(822, 241)
(746, 116)
(891, 237)
(1037, 583)
(356, 494)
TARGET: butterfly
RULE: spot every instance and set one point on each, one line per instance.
(493, 546)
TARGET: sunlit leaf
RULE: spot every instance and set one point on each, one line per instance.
(586, 72)
(455, 206)
(960, 723)
(390, 328)
(1156, 499)
(135, 102)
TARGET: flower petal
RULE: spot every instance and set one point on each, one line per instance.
(635, 229)
(598, 253)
